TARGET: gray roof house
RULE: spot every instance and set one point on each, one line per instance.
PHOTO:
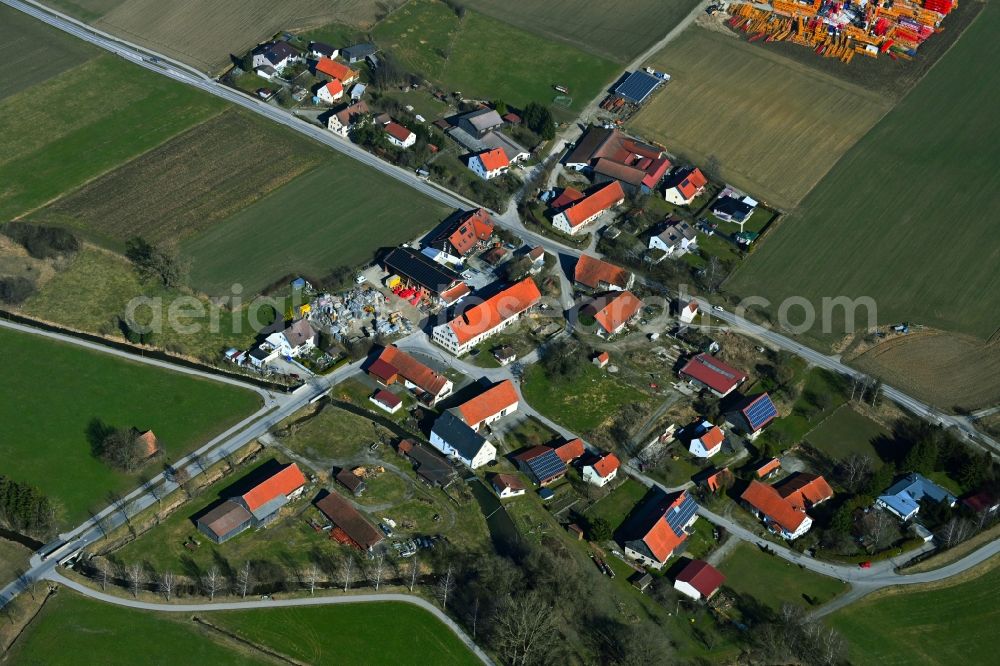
(358, 52)
(676, 236)
(452, 437)
(225, 521)
(478, 123)
(276, 54)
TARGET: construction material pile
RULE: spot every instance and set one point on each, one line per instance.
(341, 314)
(842, 29)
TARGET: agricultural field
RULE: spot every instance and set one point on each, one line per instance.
(327, 218)
(70, 625)
(121, 112)
(881, 237)
(954, 372)
(774, 582)
(34, 52)
(766, 123)
(847, 432)
(619, 30)
(51, 448)
(187, 184)
(950, 622)
(204, 34)
(461, 55)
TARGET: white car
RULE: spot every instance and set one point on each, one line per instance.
(360, 279)
(718, 307)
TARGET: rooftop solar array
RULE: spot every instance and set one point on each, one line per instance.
(678, 516)
(759, 412)
(546, 465)
(715, 367)
(637, 86)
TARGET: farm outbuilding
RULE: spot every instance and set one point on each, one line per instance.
(637, 87)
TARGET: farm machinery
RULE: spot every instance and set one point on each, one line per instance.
(844, 29)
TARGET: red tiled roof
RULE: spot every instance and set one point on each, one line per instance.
(397, 130)
(604, 357)
(148, 444)
(336, 70)
(285, 482)
(335, 88)
(612, 312)
(533, 452)
(347, 518)
(494, 159)
(768, 467)
(383, 370)
(713, 373)
(593, 272)
(566, 197)
(474, 226)
(349, 113)
(606, 464)
(713, 437)
(691, 183)
(491, 401)
(603, 199)
(501, 481)
(714, 482)
(495, 310)
(413, 370)
(460, 290)
(654, 171)
(702, 576)
(803, 490)
(769, 502)
(387, 398)
(570, 450)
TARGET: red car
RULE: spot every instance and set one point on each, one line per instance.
(865, 565)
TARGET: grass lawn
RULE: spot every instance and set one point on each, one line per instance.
(527, 433)
(333, 434)
(13, 556)
(60, 389)
(583, 404)
(819, 397)
(486, 58)
(615, 507)
(119, 111)
(847, 432)
(329, 218)
(35, 52)
(773, 581)
(71, 625)
(938, 624)
(864, 233)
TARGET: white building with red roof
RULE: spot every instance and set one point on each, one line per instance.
(573, 219)
(684, 185)
(699, 580)
(707, 440)
(393, 364)
(491, 405)
(490, 163)
(487, 318)
(688, 312)
(398, 135)
(331, 92)
(708, 371)
(602, 471)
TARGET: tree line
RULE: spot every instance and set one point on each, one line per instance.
(24, 508)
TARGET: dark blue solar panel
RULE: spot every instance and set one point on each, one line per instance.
(546, 465)
(678, 516)
(760, 411)
(637, 86)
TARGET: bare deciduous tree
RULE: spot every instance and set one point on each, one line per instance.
(347, 571)
(954, 532)
(244, 579)
(854, 471)
(414, 572)
(377, 570)
(167, 584)
(445, 586)
(310, 576)
(521, 625)
(103, 572)
(878, 527)
(136, 577)
(212, 582)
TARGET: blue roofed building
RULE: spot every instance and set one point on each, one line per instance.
(757, 413)
(638, 86)
(903, 497)
(542, 464)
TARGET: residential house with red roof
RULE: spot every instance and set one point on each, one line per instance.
(507, 485)
(568, 197)
(491, 405)
(463, 233)
(489, 163)
(768, 469)
(610, 155)
(699, 580)
(487, 318)
(613, 312)
(659, 527)
(600, 275)
(393, 364)
(336, 70)
(330, 92)
(398, 135)
(688, 312)
(387, 400)
(782, 507)
(601, 360)
(707, 371)
(574, 218)
(343, 121)
(570, 450)
(602, 471)
(706, 440)
(684, 185)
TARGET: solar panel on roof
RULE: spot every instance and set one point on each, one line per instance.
(678, 516)
(715, 368)
(637, 86)
(546, 465)
(760, 411)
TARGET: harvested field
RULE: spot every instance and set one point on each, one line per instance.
(33, 52)
(462, 55)
(773, 126)
(119, 111)
(328, 218)
(204, 34)
(619, 30)
(908, 216)
(948, 370)
(189, 183)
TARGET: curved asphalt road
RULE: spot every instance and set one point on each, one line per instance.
(56, 577)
